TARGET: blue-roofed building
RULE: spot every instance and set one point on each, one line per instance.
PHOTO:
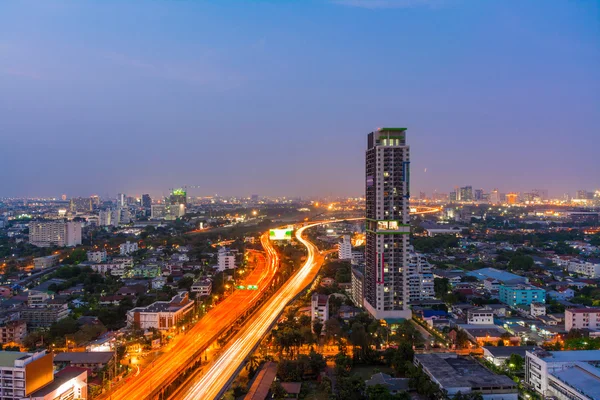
(515, 295)
(503, 277)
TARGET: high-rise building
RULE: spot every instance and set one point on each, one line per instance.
(121, 200)
(386, 289)
(581, 195)
(495, 197)
(178, 196)
(80, 204)
(512, 198)
(453, 196)
(54, 233)
(466, 193)
(158, 211)
(104, 217)
(478, 196)
(146, 201)
(95, 201)
(345, 248)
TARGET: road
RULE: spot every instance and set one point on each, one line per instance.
(225, 314)
(220, 372)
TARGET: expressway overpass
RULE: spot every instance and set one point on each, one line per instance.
(186, 351)
(214, 381)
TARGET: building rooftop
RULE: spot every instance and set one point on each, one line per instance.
(497, 274)
(569, 355)
(60, 378)
(583, 310)
(583, 377)
(452, 371)
(8, 358)
(85, 357)
(506, 351)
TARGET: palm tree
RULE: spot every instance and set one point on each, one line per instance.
(252, 364)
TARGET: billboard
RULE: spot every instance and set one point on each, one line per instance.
(280, 234)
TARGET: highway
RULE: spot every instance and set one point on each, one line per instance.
(149, 381)
(225, 367)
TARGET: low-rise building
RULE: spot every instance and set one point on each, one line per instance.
(225, 259)
(515, 295)
(114, 269)
(454, 374)
(13, 332)
(68, 383)
(159, 282)
(44, 317)
(500, 354)
(162, 315)
(97, 256)
(480, 316)
(319, 308)
(94, 360)
(128, 248)
(203, 287)
(564, 374)
(24, 373)
(537, 309)
(45, 262)
(582, 318)
(345, 248)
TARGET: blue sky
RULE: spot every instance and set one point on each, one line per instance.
(276, 97)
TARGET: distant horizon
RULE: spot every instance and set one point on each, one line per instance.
(278, 97)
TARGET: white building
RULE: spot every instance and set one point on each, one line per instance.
(104, 217)
(54, 233)
(162, 315)
(128, 248)
(319, 308)
(158, 211)
(589, 268)
(115, 217)
(358, 257)
(566, 375)
(582, 318)
(345, 248)
(225, 259)
(159, 282)
(127, 262)
(96, 256)
(114, 269)
(202, 287)
(420, 278)
(358, 281)
(24, 373)
(480, 316)
(491, 284)
(45, 262)
(537, 309)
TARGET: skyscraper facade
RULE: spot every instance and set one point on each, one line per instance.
(386, 288)
(146, 201)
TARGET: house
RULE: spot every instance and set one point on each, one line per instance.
(319, 308)
(347, 312)
(499, 354)
(202, 287)
(562, 294)
(537, 309)
(94, 360)
(159, 282)
(134, 290)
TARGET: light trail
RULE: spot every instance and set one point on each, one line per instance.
(226, 365)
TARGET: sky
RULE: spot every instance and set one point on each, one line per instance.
(277, 97)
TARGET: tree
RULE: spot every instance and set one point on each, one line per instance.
(317, 328)
(350, 388)
(359, 339)
(441, 286)
(378, 392)
(343, 364)
(316, 361)
(278, 391)
(520, 262)
(515, 362)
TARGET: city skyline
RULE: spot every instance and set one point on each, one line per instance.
(493, 95)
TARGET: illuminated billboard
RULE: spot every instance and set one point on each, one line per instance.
(280, 234)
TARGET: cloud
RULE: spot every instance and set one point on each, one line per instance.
(374, 4)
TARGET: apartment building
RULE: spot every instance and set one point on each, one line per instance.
(514, 295)
(582, 318)
(162, 315)
(23, 373)
(54, 233)
(13, 332)
(45, 262)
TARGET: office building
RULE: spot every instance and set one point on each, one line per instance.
(146, 201)
(45, 262)
(225, 259)
(521, 295)
(582, 318)
(345, 248)
(158, 211)
(466, 193)
(319, 308)
(81, 204)
(454, 374)
(564, 375)
(386, 288)
(54, 233)
(178, 196)
(105, 217)
(121, 200)
(478, 195)
(495, 197)
(162, 315)
(24, 373)
(512, 198)
(128, 247)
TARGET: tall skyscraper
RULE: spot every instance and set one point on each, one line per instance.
(466, 193)
(121, 200)
(386, 288)
(146, 201)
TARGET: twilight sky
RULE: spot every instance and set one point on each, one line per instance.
(276, 97)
